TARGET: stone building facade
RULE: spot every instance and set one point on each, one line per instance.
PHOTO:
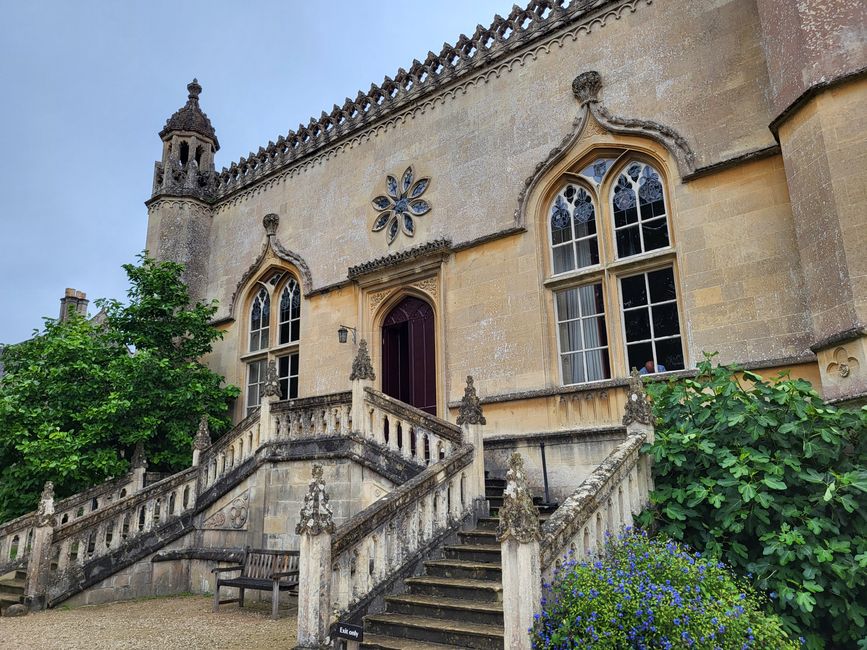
(467, 261)
(619, 182)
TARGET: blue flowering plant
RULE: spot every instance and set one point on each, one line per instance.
(646, 592)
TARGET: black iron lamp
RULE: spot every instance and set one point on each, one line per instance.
(343, 332)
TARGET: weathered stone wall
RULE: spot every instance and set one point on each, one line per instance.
(697, 68)
(569, 458)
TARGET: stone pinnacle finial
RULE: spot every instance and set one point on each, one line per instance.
(637, 404)
(271, 388)
(586, 86)
(45, 512)
(195, 89)
(519, 519)
(138, 456)
(470, 411)
(270, 222)
(362, 368)
(203, 436)
(316, 514)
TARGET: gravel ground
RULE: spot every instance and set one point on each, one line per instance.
(155, 623)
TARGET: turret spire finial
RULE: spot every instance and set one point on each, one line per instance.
(195, 89)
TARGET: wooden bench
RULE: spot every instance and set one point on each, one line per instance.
(263, 570)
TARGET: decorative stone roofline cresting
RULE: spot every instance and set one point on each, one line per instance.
(485, 48)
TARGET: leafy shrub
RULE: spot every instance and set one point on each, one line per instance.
(650, 593)
(766, 477)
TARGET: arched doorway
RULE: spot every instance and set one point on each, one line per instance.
(408, 355)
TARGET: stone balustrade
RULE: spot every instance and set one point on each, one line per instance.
(312, 417)
(16, 535)
(99, 533)
(234, 448)
(407, 431)
(369, 549)
(604, 503)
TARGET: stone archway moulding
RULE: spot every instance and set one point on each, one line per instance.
(586, 88)
(272, 251)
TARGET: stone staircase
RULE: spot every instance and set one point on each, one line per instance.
(11, 588)
(458, 601)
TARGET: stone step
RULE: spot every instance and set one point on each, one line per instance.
(479, 536)
(456, 634)
(473, 552)
(496, 483)
(463, 588)
(12, 587)
(450, 609)
(380, 642)
(464, 569)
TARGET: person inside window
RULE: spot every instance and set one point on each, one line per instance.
(649, 368)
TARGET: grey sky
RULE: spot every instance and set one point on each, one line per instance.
(87, 85)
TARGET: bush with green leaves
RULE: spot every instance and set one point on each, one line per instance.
(768, 478)
(78, 396)
(644, 592)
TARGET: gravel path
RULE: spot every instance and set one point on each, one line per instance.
(177, 622)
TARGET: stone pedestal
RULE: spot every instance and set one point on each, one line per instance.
(315, 527)
(314, 598)
(39, 560)
(522, 591)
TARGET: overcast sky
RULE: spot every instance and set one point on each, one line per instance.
(86, 87)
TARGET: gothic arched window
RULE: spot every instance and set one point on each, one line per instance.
(284, 291)
(613, 270)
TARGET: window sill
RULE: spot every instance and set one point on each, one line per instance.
(572, 277)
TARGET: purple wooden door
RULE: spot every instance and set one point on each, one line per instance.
(408, 355)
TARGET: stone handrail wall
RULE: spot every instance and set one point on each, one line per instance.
(312, 417)
(372, 546)
(16, 533)
(486, 47)
(15, 538)
(102, 531)
(406, 430)
(231, 450)
(604, 502)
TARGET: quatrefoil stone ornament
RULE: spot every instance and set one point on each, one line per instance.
(843, 364)
(398, 209)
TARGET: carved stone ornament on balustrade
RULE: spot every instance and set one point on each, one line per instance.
(316, 514)
(637, 403)
(519, 519)
(138, 456)
(45, 512)
(470, 410)
(362, 368)
(271, 387)
(203, 436)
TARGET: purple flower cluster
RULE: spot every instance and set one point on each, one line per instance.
(643, 592)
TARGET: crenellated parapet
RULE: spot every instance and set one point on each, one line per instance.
(486, 47)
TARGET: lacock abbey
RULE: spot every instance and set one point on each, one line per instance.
(467, 261)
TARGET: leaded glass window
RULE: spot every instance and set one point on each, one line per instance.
(574, 244)
(290, 312)
(582, 334)
(638, 209)
(255, 382)
(287, 373)
(260, 319)
(650, 321)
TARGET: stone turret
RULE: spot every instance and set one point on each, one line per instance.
(179, 211)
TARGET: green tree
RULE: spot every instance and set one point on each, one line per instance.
(79, 395)
(767, 477)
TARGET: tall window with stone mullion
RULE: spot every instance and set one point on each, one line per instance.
(283, 290)
(610, 241)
